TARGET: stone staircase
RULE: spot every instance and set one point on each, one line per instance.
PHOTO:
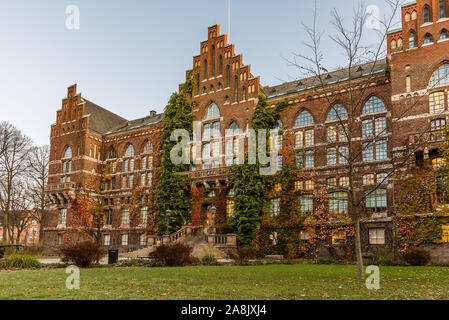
(204, 242)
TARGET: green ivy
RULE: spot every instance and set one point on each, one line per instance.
(173, 192)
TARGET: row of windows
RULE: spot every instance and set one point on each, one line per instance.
(375, 201)
(428, 38)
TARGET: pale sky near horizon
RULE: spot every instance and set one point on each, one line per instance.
(129, 56)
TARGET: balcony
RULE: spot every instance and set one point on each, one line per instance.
(60, 193)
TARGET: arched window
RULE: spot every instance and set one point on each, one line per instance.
(440, 76)
(426, 14)
(393, 44)
(220, 64)
(148, 147)
(338, 202)
(198, 84)
(236, 89)
(205, 69)
(233, 129)
(407, 17)
(67, 153)
(374, 104)
(442, 8)
(227, 100)
(212, 112)
(411, 40)
(414, 15)
(228, 76)
(129, 151)
(304, 119)
(400, 43)
(244, 93)
(443, 35)
(428, 38)
(337, 112)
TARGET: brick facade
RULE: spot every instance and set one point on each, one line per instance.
(97, 136)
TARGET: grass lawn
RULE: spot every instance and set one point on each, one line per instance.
(226, 282)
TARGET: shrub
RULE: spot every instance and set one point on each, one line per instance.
(138, 263)
(176, 254)
(416, 256)
(20, 261)
(209, 260)
(243, 255)
(326, 261)
(83, 254)
(384, 261)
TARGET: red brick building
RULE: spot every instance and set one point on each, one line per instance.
(86, 136)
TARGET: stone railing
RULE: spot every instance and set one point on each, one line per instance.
(221, 240)
(214, 172)
(171, 238)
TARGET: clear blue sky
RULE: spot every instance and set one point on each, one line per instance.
(129, 56)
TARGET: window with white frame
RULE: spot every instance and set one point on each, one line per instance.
(62, 217)
(125, 217)
(373, 105)
(376, 236)
(436, 103)
(440, 76)
(331, 156)
(143, 240)
(437, 124)
(144, 215)
(338, 202)
(306, 204)
(377, 201)
(107, 240)
(124, 239)
(274, 208)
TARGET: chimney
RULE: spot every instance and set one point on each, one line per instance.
(152, 113)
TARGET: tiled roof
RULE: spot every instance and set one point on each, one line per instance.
(330, 78)
(101, 120)
(136, 124)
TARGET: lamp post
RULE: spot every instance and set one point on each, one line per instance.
(167, 217)
(100, 204)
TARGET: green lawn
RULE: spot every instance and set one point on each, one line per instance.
(226, 282)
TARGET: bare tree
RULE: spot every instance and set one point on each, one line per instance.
(38, 164)
(13, 167)
(19, 215)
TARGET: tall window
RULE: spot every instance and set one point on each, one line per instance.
(205, 69)
(213, 61)
(125, 217)
(426, 14)
(66, 165)
(411, 40)
(148, 148)
(220, 64)
(442, 9)
(236, 89)
(228, 76)
(62, 217)
(274, 207)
